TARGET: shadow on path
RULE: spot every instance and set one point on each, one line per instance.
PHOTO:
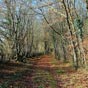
(42, 72)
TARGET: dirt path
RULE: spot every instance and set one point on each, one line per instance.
(59, 74)
(51, 73)
(46, 72)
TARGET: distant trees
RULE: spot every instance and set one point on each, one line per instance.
(28, 27)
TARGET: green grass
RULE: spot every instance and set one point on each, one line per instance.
(60, 71)
(43, 78)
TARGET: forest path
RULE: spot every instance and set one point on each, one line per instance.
(47, 72)
(51, 73)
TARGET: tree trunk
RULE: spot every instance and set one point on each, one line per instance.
(73, 42)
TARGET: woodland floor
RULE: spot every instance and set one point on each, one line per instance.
(43, 72)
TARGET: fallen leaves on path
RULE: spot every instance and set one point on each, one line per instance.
(47, 72)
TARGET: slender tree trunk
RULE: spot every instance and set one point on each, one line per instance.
(71, 28)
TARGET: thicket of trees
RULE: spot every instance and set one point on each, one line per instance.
(29, 27)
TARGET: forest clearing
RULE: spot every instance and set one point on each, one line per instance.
(43, 43)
